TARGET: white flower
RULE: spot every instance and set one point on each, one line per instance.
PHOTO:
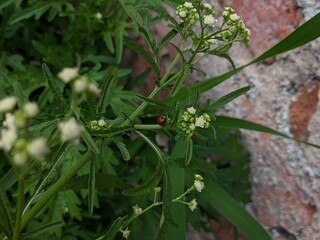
(102, 123)
(209, 20)
(193, 204)
(8, 134)
(38, 148)
(31, 109)
(191, 110)
(183, 14)
(67, 74)
(80, 85)
(98, 15)
(200, 122)
(70, 131)
(125, 233)
(94, 89)
(199, 185)
(137, 210)
(8, 103)
(188, 5)
(20, 159)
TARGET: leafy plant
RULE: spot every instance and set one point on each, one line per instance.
(80, 156)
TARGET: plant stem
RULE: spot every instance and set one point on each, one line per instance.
(147, 127)
(16, 232)
(55, 188)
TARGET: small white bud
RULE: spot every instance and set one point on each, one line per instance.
(70, 130)
(8, 103)
(125, 233)
(188, 5)
(93, 89)
(98, 15)
(67, 74)
(191, 110)
(198, 177)
(137, 210)
(199, 185)
(31, 109)
(234, 17)
(20, 159)
(102, 123)
(200, 122)
(183, 14)
(80, 85)
(8, 134)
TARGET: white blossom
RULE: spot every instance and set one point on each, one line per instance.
(125, 233)
(94, 89)
(98, 15)
(20, 159)
(191, 110)
(137, 210)
(8, 134)
(210, 20)
(234, 17)
(199, 185)
(67, 74)
(70, 130)
(31, 109)
(38, 148)
(8, 103)
(102, 123)
(80, 85)
(200, 122)
(193, 204)
(198, 177)
(188, 5)
(182, 14)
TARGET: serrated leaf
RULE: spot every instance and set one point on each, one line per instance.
(146, 187)
(138, 49)
(102, 181)
(180, 81)
(108, 86)
(123, 149)
(153, 101)
(228, 98)
(113, 230)
(54, 87)
(42, 229)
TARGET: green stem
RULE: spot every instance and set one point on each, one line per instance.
(16, 233)
(147, 127)
(54, 189)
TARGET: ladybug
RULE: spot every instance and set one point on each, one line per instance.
(161, 120)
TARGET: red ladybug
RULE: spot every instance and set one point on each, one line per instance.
(161, 120)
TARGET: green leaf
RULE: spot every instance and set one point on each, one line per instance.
(112, 232)
(170, 35)
(5, 216)
(138, 49)
(188, 150)
(228, 122)
(218, 198)
(153, 101)
(54, 87)
(123, 149)
(108, 40)
(147, 187)
(92, 184)
(180, 81)
(6, 3)
(228, 98)
(119, 46)
(102, 181)
(20, 93)
(108, 86)
(42, 229)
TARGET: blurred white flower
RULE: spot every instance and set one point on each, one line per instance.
(199, 185)
(70, 130)
(8, 134)
(193, 204)
(31, 109)
(20, 159)
(67, 74)
(191, 110)
(210, 20)
(93, 89)
(102, 123)
(8, 103)
(38, 148)
(137, 210)
(81, 84)
(125, 233)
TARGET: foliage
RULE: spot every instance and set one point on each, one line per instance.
(83, 162)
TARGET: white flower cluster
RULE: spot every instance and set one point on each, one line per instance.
(189, 120)
(236, 25)
(137, 210)
(98, 124)
(198, 182)
(23, 149)
(188, 13)
(80, 84)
